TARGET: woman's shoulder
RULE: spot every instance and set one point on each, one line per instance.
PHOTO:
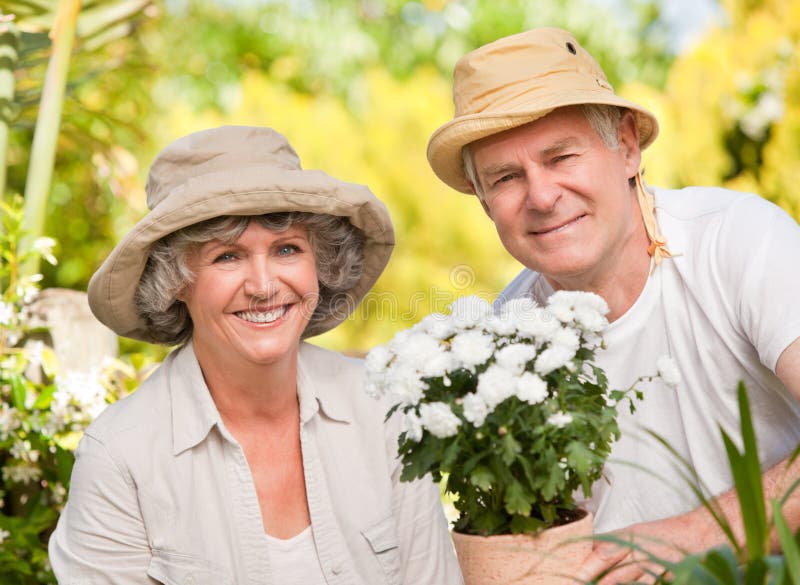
(141, 416)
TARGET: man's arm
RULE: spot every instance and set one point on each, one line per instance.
(696, 531)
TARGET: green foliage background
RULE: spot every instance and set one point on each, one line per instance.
(358, 86)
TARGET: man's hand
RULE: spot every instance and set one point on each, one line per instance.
(669, 539)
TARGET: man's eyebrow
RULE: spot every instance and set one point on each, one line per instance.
(500, 168)
(560, 146)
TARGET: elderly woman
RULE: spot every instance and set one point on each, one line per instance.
(249, 456)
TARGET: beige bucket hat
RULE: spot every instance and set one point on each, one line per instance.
(516, 80)
(233, 170)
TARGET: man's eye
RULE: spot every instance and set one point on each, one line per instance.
(562, 157)
(505, 179)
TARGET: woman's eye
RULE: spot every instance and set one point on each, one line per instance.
(287, 250)
(225, 257)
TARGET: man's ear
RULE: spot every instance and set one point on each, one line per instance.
(629, 143)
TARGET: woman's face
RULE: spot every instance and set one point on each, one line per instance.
(252, 299)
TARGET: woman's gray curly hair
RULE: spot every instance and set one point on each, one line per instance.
(338, 251)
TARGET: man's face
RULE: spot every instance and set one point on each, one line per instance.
(560, 197)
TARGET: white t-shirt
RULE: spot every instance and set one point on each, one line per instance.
(294, 561)
(725, 307)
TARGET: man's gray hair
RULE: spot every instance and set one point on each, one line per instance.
(604, 119)
(338, 249)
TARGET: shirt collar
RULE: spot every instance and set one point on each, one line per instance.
(194, 413)
(319, 387)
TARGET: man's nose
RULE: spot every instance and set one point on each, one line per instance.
(542, 191)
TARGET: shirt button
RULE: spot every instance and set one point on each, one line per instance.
(336, 569)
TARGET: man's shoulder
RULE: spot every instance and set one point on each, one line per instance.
(706, 203)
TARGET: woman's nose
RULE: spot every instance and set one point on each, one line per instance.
(259, 280)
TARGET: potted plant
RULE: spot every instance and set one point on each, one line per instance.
(512, 413)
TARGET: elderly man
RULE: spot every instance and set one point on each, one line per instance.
(705, 275)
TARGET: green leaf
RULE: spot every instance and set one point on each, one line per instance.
(482, 477)
(510, 448)
(722, 563)
(516, 499)
(791, 551)
(45, 397)
(64, 462)
(18, 391)
(746, 472)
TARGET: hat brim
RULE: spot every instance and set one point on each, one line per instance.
(447, 142)
(246, 191)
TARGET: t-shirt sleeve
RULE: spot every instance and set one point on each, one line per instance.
(760, 245)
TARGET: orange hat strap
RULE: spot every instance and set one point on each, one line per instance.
(647, 203)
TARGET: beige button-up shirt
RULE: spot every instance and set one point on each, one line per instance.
(161, 491)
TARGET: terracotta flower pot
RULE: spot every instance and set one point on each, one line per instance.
(524, 559)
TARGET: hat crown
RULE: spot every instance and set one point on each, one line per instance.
(523, 67)
(216, 150)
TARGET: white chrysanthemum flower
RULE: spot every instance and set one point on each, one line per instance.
(439, 363)
(439, 419)
(579, 306)
(531, 388)
(495, 385)
(589, 319)
(668, 371)
(416, 348)
(472, 348)
(553, 358)
(412, 425)
(378, 359)
(559, 419)
(567, 337)
(503, 324)
(513, 357)
(475, 409)
(403, 385)
(538, 324)
(437, 325)
(466, 312)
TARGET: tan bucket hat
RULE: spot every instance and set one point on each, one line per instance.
(516, 80)
(233, 170)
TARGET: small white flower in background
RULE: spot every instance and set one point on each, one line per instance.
(472, 348)
(466, 312)
(439, 419)
(82, 388)
(475, 409)
(412, 425)
(3, 535)
(21, 473)
(44, 246)
(515, 356)
(559, 419)
(9, 420)
(668, 371)
(553, 358)
(495, 385)
(35, 350)
(531, 388)
(6, 313)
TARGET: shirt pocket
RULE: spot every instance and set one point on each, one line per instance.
(172, 568)
(382, 539)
